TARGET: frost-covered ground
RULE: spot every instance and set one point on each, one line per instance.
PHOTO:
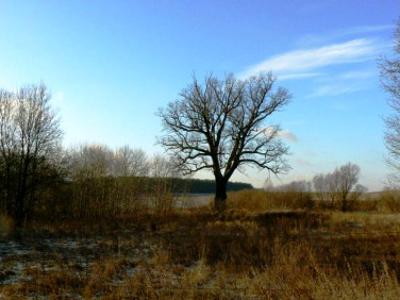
(195, 253)
(20, 255)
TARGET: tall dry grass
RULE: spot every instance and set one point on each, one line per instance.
(259, 200)
(387, 201)
(222, 260)
(266, 246)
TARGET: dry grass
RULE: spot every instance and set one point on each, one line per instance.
(7, 225)
(387, 201)
(276, 249)
(259, 200)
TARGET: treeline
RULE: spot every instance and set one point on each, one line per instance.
(336, 189)
(38, 177)
(202, 186)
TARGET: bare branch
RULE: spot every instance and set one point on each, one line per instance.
(219, 126)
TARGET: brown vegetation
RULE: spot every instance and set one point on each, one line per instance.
(274, 245)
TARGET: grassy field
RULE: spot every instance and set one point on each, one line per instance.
(266, 246)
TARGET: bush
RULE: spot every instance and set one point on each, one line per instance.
(259, 200)
(389, 201)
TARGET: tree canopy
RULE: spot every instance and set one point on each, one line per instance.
(221, 126)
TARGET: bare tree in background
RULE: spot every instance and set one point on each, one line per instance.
(220, 126)
(320, 186)
(163, 167)
(339, 185)
(358, 191)
(390, 78)
(300, 186)
(97, 160)
(90, 161)
(29, 137)
(332, 181)
(348, 178)
(130, 162)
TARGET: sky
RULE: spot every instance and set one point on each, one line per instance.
(110, 65)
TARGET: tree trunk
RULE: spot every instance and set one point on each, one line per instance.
(19, 210)
(21, 197)
(220, 195)
(344, 202)
(344, 205)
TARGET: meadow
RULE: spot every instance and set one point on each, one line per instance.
(267, 245)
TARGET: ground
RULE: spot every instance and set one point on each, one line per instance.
(194, 253)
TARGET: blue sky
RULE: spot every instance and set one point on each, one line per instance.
(111, 64)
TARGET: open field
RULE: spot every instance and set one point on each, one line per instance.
(193, 253)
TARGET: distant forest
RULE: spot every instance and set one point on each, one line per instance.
(180, 185)
(201, 186)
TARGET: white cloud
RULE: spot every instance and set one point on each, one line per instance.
(335, 90)
(287, 135)
(358, 74)
(298, 76)
(284, 134)
(306, 60)
(313, 39)
(343, 83)
(366, 29)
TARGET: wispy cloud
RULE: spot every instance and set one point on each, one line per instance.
(299, 75)
(305, 61)
(313, 39)
(334, 90)
(357, 74)
(366, 29)
(301, 162)
(343, 83)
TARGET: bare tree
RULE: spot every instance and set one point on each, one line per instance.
(348, 178)
(339, 184)
(29, 136)
(163, 167)
(90, 161)
(333, 186)
(130, 162)
(220, 126)
(390, 78)
(300, 186)
(358, 191)
(97, 160)
(320, 186)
